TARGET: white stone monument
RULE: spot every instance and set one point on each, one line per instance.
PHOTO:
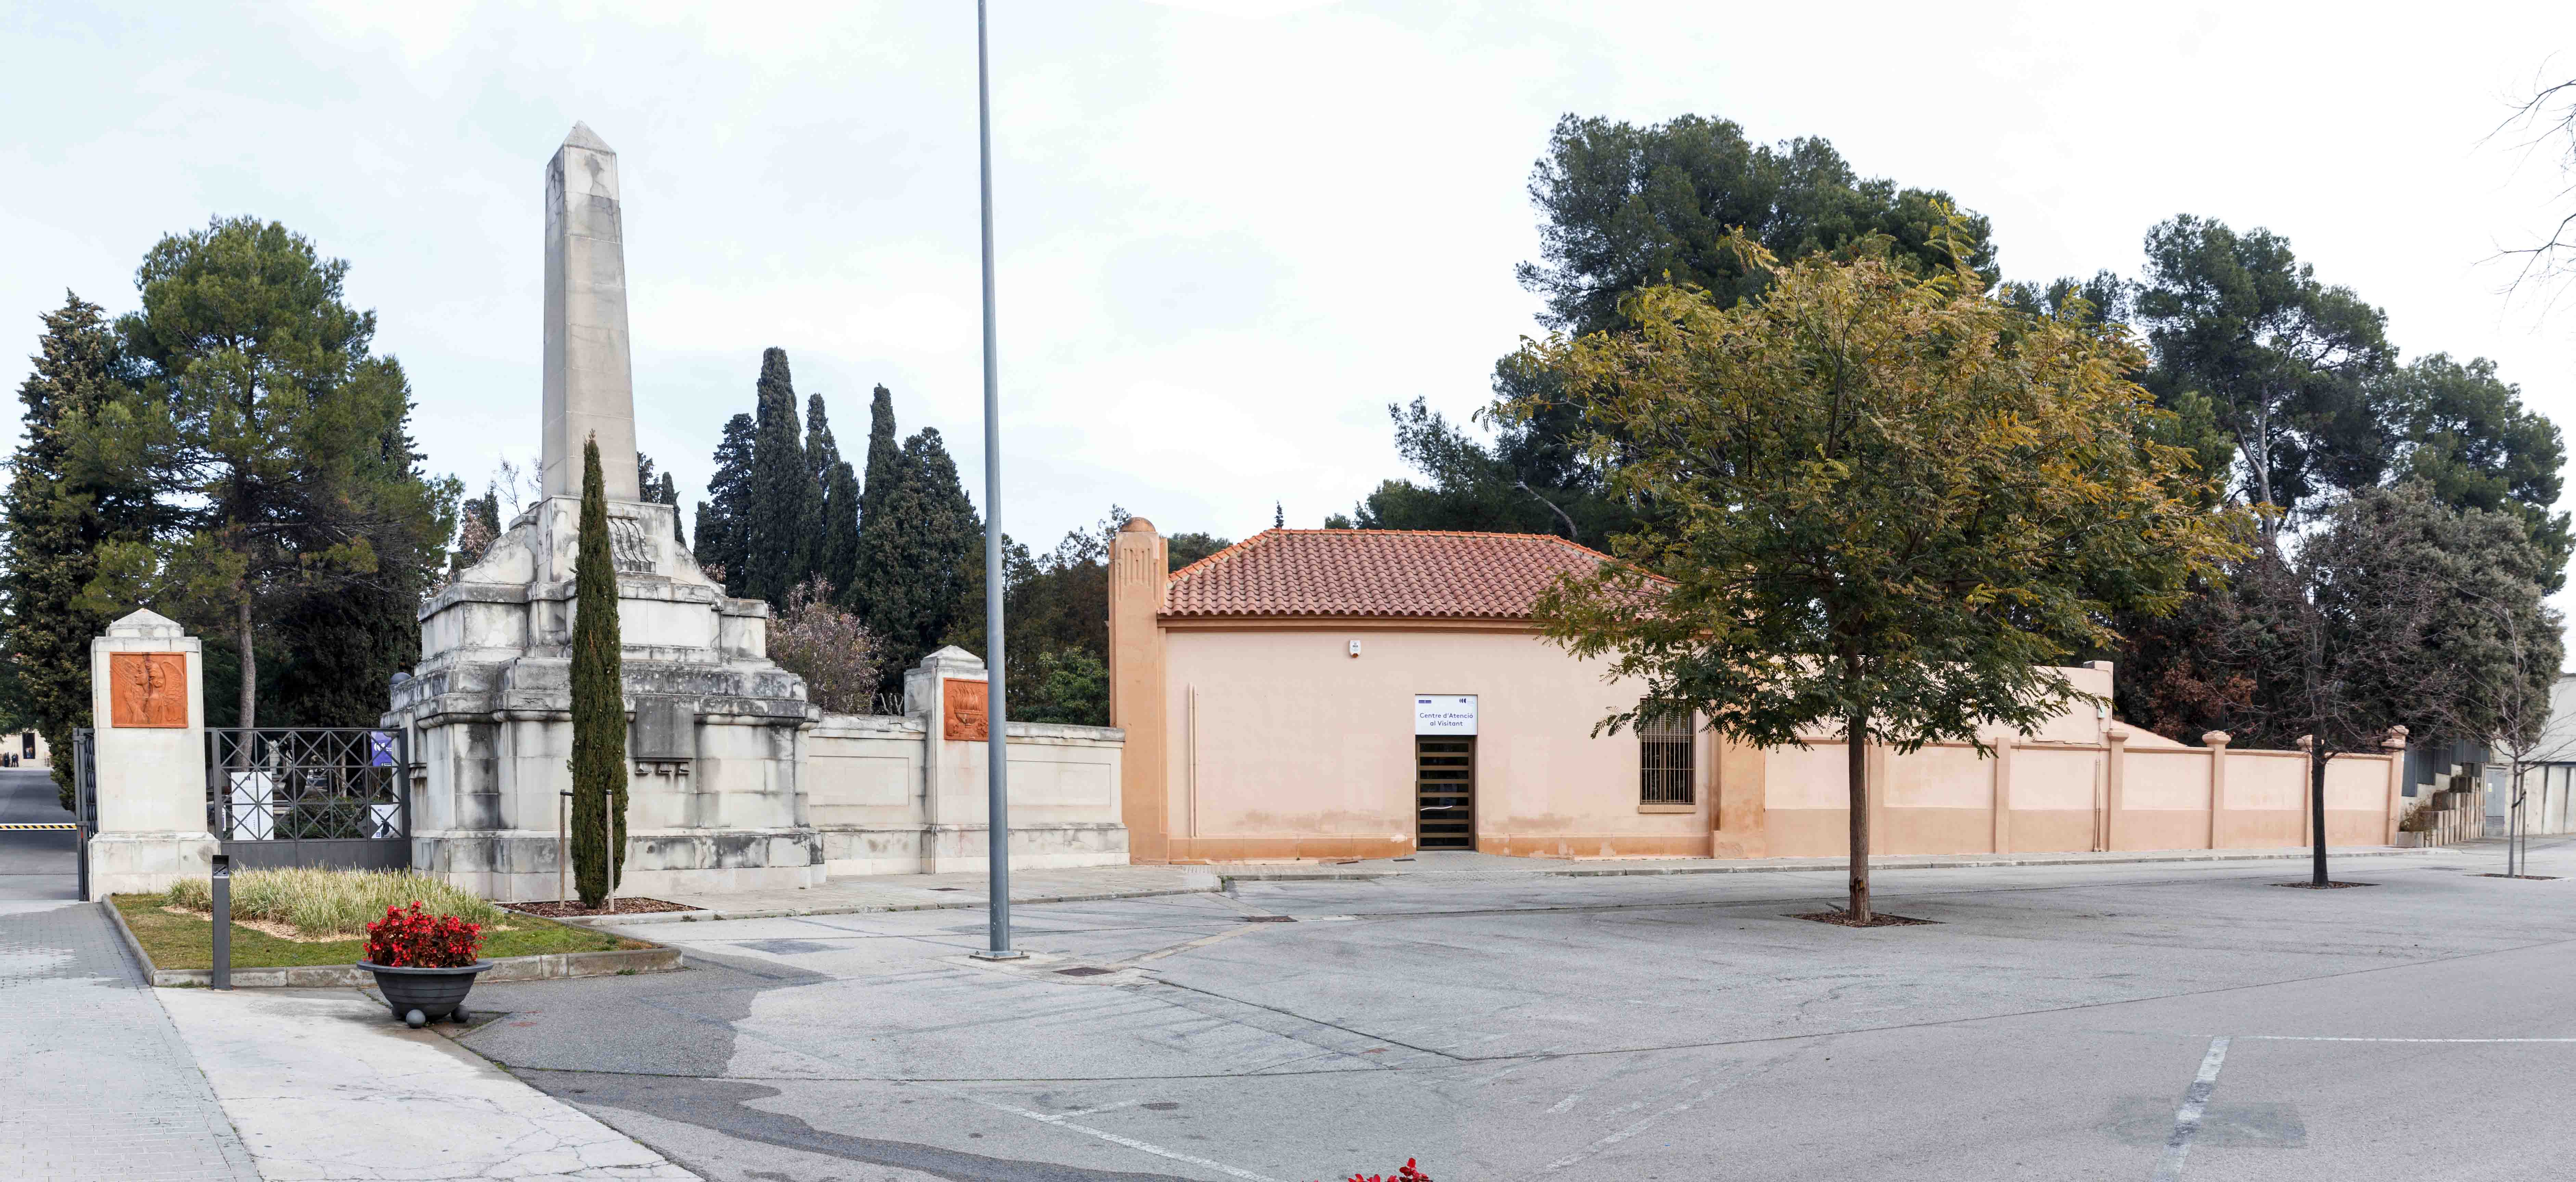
(148, 703)
(716, 797)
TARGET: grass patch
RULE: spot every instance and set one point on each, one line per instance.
(188, 941)
(319, 902)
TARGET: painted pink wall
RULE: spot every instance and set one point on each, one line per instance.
(1280, 733)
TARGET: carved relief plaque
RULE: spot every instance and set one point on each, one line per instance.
(969, 712)
(147, 689)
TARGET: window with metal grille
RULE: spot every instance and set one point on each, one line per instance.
(1664, 758)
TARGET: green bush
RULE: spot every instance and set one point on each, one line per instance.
(333, 902)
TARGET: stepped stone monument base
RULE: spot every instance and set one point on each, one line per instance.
(714, 743)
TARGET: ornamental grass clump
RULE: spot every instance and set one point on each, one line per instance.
(410, 938)
(320, 902)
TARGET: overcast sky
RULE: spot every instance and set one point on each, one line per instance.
(1230, 232)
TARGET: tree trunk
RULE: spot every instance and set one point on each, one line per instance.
(249, 666)
(2317, 757)
(1856, 755)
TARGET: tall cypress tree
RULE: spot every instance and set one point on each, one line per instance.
(782, 527)
(598, 699)
(56, 520)
(721, 524)
(839, 561)
(919, 547)
(884, 473)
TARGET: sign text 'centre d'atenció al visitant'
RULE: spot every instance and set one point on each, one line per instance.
(1444, 714)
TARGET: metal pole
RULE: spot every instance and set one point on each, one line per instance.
(608, 844)
(223, 891)
(997, 757)
(563, 847)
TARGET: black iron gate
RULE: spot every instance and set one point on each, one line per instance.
(84, 803)
(310, 796)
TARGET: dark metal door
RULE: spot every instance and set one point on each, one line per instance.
(84, 803)
(310, 796)
(1444, 788)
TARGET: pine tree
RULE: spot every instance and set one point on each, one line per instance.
(56, 522)
(276, 446)
(721, 525)
(781, 532)
(598, 699)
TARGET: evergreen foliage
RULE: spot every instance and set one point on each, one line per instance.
(660, 489)
(276, 448)
(723, 528)
(877, 486)
(57, 518)
(836, 548)
(598, 699)
(780, 534)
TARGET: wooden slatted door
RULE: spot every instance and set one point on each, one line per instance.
(1444, 780)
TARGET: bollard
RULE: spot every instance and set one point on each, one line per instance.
(563, 849)
(223, 891)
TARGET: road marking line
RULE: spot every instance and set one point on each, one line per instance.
(1565, 1103)
(1634, 1128)
(1192, 945)
(1113, 1138)
(2195, 1101)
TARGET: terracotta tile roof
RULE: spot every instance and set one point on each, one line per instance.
(1376, 572)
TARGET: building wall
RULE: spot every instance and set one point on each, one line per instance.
(1283, 744)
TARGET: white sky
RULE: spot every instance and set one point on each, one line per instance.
(1230, 233)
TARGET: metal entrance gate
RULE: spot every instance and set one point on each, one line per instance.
(310, 796)
(84, 803)
(1444, 786)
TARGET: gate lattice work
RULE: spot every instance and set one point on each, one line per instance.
(310, 796)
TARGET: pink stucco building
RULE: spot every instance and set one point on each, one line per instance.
(1362, 693)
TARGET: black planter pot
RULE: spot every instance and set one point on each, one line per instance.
(419, 997)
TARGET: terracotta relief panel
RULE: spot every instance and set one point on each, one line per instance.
(147, 689)
(967, 710)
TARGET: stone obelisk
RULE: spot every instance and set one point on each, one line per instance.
(590, 384)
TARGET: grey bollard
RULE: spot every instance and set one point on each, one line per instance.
(223, 891)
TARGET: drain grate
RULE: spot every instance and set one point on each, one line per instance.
(1084, 971)
(1270, 919)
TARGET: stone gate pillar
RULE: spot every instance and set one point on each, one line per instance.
(148, 744)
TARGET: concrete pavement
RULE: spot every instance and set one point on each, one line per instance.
(2051, 1025)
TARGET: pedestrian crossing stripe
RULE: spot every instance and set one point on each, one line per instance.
(50, 827)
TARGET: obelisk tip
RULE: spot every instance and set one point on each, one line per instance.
(583, 137)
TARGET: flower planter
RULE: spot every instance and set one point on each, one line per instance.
(421, 996)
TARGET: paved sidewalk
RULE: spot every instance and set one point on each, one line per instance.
(940, 892)
(863, 894)
(325, 1085)
(98, 1083)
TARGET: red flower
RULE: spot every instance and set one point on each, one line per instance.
(408, 937)
(1406, 1174)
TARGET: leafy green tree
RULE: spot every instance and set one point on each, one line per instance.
(2469, 439)
(598, 699)
(877, 488)
(2288, 364)
(836, 550)
(1622, 207)
(920, 544)
(1891, 503)
(782, 531)
(57, 518)
(276, 445)
(2396, 610)
(722, 528)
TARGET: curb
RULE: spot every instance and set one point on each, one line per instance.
(544, 966)
(1836, 864)
(606, 922)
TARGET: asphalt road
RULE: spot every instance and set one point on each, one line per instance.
(34, 865)
(2056, 1023)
